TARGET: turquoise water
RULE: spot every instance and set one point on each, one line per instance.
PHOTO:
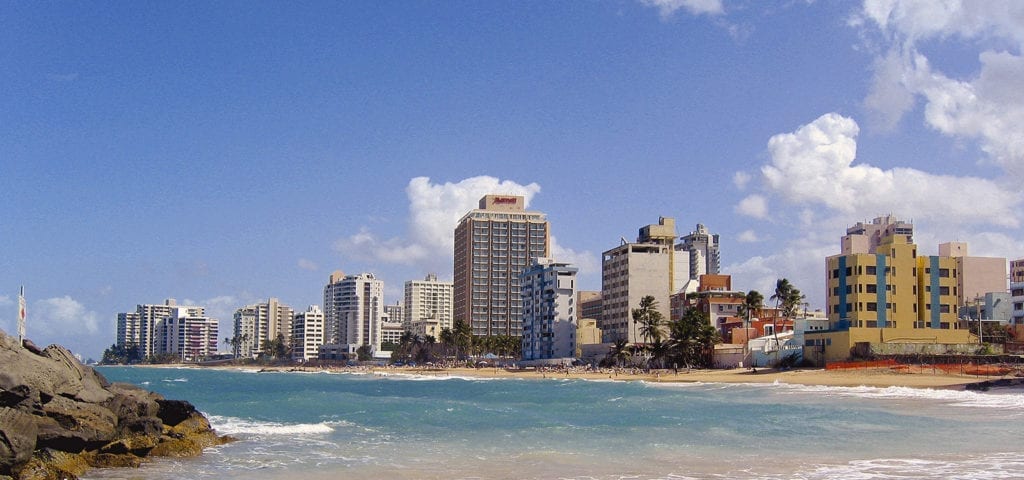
(319, 426)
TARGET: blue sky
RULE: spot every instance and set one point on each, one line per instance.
(225, 152)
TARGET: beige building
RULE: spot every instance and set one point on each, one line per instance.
(866, 237)
(1017, 271)
(494, 244)
(631, 271)
(978, 275)
(257, 324)
(590, 304)
(428, 306)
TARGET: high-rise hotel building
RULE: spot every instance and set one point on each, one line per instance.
(494, 244)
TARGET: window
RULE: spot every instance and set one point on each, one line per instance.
(944, 272)
(872, 307)
(871, 270)
(944, 308)
(943, 290)
(872, 288)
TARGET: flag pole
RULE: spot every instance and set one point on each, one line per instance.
(21, 316)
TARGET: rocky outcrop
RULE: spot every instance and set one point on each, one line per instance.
(59, 418)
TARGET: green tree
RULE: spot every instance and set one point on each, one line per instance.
(618, 353)
(649, 319)
(364, 353)
(692, 339)
(787, 303)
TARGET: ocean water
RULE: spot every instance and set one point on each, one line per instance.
(314, 426)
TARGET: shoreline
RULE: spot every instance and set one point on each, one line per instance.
(867, 377)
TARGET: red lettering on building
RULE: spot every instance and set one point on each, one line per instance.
(501, 200)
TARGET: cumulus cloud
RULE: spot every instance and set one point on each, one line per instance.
(587, 262)
(696, 7)
(753, 206)
(802, 262)
(61, 320)
(748, 236)
(434, 211)
(813, 166)
(985, 107)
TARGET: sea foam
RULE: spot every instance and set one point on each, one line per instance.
(240, 426)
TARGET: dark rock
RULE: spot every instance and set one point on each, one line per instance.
(59, 418)
(173, 412)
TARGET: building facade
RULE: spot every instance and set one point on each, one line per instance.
(890, 301)
(428, 306)
(866, 237)
(354, 310)
(189, 337)
(255, 325)
(632, 271)
(703, 249)
(548, 292)
(978, 276)
(140, 327)
(307, 334)
(494, 244)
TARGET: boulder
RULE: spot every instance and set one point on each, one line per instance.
(75, 425)
(18, 433)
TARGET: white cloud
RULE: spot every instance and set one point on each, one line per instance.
(587, 262)
(434, 211)
(5, 300)
(748, 236)
(753, 206)
(802, 262)
(61, 316)
(307, 264)
(813, 166)
(741, 179)
(696, 7)
(986, 107)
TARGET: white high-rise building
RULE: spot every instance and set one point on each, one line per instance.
(257, 324)
(139, 327)
(428, 306)
(307, 333)
(353, 310)
(548, 292)
(702, 246)
(191, 337)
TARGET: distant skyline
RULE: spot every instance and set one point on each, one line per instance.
(223, 153)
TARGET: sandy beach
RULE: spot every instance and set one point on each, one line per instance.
(869, 377)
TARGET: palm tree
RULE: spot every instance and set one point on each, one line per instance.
(751, 305)
(787, 301)
(619, 352)
(692, 338)
(649, 319)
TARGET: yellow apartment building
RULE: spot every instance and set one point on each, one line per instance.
(891, 301)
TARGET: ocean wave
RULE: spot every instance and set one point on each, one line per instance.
(994, 465)
(179, 380)
(241, 426)
(962, 398)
